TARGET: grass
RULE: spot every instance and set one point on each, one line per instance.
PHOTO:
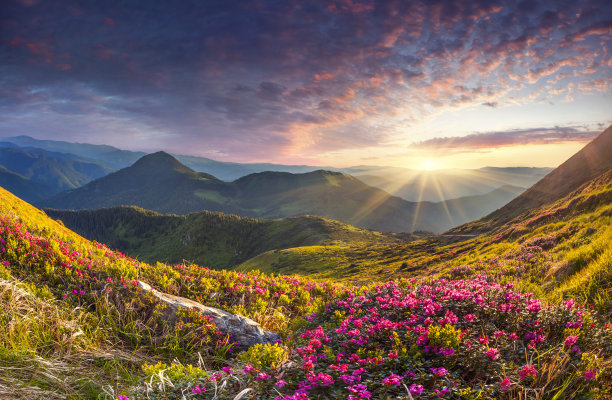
(70, 305)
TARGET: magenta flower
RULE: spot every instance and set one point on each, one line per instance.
(416, 390)
(439, 371)
(262, 376)
(227, 369)
(122, 397)
(492, 353)
(570, 340)
(528, 370)
(280, 383)
(505, 384)
(392, 379)
(590, 374)
(197, 389)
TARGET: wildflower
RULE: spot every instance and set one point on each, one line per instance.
(505, 384)
(281, 383)
(122, 397)
(528, 370)
(416, 390)
(227, 369)
(492, 353)
(262, 376)
(439, 371)
(197, 389)
(248, 368)
(392, 379)
(590, 374)
(570, 340)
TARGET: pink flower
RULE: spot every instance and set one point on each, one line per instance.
(528, 370)
(280, 383)
(392, 379)
(590, 374)
(227, 369)
(248, 368)
(439, 371)
(262, 376)
(416, 390)
(505, 384)
(570, 340)
(492, 353)
(197, 389)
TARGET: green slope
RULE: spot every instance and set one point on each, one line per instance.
(558, 249)
(208, 238)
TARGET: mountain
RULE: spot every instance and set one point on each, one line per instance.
(114, 158)
(590, 162)
(107, 156)
(23, 187)
(207, 238)
(59, 173)
(159, 182)
(409, 184)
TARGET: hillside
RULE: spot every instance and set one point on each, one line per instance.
(560, 249)
(58, 173)
(206, 238)
(593, 160)
(74, 325)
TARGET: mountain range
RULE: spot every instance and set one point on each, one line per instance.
(159, 182)
(409, 184)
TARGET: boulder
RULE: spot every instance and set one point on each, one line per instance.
(243, 330)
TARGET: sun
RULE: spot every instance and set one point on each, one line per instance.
(428, 165)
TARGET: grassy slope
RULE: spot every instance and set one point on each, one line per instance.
(578, 257)
(80, 312)
(68, 306)
(208, 238)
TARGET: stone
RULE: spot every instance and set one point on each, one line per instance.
(242, 329)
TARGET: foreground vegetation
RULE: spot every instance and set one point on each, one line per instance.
(70, 305)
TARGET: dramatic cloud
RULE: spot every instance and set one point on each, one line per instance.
(508, 138)
(283, 80)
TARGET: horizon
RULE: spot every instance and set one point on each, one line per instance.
(419, 85)
(301, 165)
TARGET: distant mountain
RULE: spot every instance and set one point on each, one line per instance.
(107, 156)
(159, 182)
(114, 158)
(23, 187)
(58, 173)
(409, 184)
(207, 238)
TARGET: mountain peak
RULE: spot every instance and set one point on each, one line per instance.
(160, 161)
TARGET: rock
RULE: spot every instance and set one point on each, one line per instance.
(243, 329)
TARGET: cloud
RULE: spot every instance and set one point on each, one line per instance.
(246, 74)
(517, 137)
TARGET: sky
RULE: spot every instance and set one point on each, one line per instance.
(416, 84)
